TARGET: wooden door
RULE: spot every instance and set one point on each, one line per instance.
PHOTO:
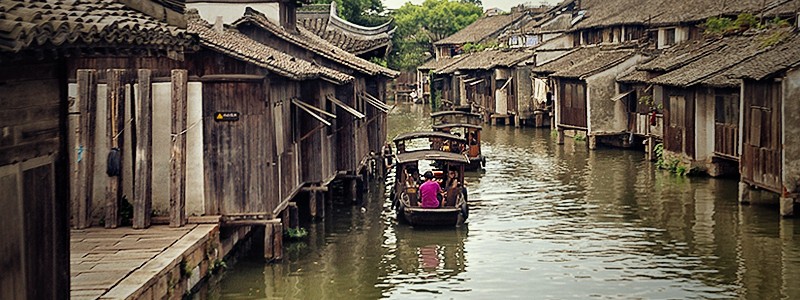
(679, 133)
(761, 146)
(573, 104)
(238, 154)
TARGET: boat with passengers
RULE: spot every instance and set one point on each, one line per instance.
(448, 170)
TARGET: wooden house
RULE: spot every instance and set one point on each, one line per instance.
(644, 115)
(584, 85)
(356, 136)
(429, 85)
(40, 174)
(266, 133)
(486, 80)
(701, 104)
(769, 144)
(484, 30)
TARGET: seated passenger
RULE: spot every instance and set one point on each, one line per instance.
(429, 191)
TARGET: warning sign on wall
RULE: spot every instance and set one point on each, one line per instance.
(226, 116)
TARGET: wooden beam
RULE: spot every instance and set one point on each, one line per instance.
(83, 150)
(143, 166)
(115, 122)
(251, 222)
(177, 174)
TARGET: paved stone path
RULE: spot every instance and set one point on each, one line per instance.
(101, 258)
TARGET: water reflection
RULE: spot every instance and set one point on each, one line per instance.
(546, 221)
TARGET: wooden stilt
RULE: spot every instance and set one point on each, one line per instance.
(744, 193)
(312, 204)
(277, 241)
(143, 179)
(651, 147)
(354, 190)
(787, 206)
(177, 201)
(321, 205)
(115, 122)
(560, 136)
(85, 110)
(294, 215)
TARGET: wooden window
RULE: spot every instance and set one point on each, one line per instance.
(726, 109)
(580, 96)
(632, 33)
(677, 111)
(669, 37)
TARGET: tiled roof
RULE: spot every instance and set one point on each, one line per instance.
(706, 68)
(680, 55)
(600, 13)
(241, 47)
(601, 61)
(434, 64)
(772, 60)
(566, 61)
(89, 23)
(482, 29)
(634, 76)
(487, 59)
(316, 44)
(322, 20)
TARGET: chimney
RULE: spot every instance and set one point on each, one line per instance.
(218, 26)
(288, 14)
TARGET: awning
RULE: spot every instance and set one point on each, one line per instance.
(313, 111)
(622, 95)
(479, 81)
(506, 84)
(346, 108)
(375, 102)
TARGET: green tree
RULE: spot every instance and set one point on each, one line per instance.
(418, 26)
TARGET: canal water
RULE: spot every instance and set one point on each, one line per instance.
(546, 221)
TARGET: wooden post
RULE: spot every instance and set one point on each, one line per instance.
(294, 215)
(560, 136)
(744, 193)
(84, 112)
(320, 199)
(592, 142)
(115, 122)
(177, 174)
(312, 204)
(354, 190)
(651, 148)
(143, 166)
(268, 246)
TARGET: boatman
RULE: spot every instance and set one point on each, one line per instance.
(429, 191)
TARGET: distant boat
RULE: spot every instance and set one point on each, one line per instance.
(467, 125)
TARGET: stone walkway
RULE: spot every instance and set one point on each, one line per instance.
(102, 258)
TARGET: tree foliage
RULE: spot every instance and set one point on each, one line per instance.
(418, 26)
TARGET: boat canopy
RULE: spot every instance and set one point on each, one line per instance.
(428, 134)
(455, 116)
(431, 155)
(457, 125)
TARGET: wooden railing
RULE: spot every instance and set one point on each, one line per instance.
(639, 124)
(726, 139)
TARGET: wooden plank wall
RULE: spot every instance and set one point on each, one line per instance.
(238, 154)
(760, 162)
(280, 94)
(34, 246)
(345, 129)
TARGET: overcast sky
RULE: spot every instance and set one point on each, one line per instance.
(502, 4)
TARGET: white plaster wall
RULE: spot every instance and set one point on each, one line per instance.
(791, 131)
(195, 185)
(231, 12)
(162, 139)
(704, 124)
(602, 114)
(559, 41)
(544, 56)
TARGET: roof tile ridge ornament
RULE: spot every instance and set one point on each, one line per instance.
(349, 27)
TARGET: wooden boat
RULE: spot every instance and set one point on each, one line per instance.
(466, 125)
(405, 198)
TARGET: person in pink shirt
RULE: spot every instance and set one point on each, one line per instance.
(429, 191)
